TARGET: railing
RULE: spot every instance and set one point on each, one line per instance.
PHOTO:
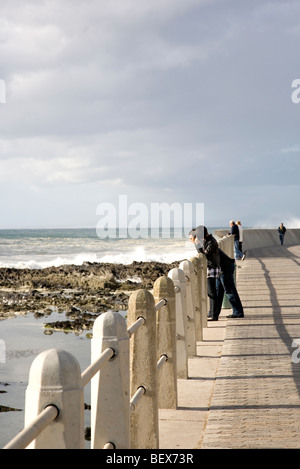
(143, 359)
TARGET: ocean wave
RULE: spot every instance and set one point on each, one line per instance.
(126, 258)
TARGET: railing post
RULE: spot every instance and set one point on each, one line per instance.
(178, 277)
(205, 299)
(144, 419)
(231, 248)
(55, 379)
(222, 244)
(166, 343)
(227, 245)
(110, 386)
(198, 297)
(189, 272)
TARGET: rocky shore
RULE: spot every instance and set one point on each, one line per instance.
(81, 292)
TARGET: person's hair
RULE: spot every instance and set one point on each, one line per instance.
(201, 232)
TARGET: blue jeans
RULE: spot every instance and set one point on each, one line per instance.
(237, 252)
(213, 298)
(225, 283)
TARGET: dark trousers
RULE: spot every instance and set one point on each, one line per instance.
(213, 297)
(225, 284)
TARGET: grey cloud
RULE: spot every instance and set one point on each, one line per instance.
(150, 96)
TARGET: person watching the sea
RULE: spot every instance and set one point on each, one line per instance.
(281, 232)
(206, 244)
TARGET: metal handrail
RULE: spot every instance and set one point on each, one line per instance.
(51, 412)
(141, 390)
(163, 359)
(160, 304)
(136, 325)
(30, 433)
(94, 367)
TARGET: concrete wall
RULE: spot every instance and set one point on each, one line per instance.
(259, 238)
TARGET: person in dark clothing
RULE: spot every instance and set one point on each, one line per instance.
(206, 244)
(225, 283)
(281, 232)
(236, 234)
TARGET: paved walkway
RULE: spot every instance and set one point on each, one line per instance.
(243, 389)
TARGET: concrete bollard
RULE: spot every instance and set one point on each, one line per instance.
(227, 245)
(144, 419)
(189, 272)
(166, 343)
(110, 386)
(55, 379)
(230, 246)
(178, 277)
(198, 297)
(205, 300)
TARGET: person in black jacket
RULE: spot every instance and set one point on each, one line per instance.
(206, 244)
(225, 283)
(236, 240)
(220, 274)
(281, 232)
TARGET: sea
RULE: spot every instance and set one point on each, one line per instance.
(22, 338)
(42, 248)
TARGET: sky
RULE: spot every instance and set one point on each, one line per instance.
(161, 101)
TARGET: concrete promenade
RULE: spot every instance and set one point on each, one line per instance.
(243, 389)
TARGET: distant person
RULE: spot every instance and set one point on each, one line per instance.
(208, 245)
(239, 224)
(281, 232)
(236, 239)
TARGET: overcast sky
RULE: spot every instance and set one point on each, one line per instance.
(183, 101)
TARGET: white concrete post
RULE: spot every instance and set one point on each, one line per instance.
(205, 299)
(231, 251)
(226, 244)
(222, 245)
(198, 297)
(55, 379)
(189, 272)
(166, 343)
(230, 246)
(144, 419)
(110, 386)
(178, 277)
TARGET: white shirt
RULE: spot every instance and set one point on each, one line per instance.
(241, 233)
